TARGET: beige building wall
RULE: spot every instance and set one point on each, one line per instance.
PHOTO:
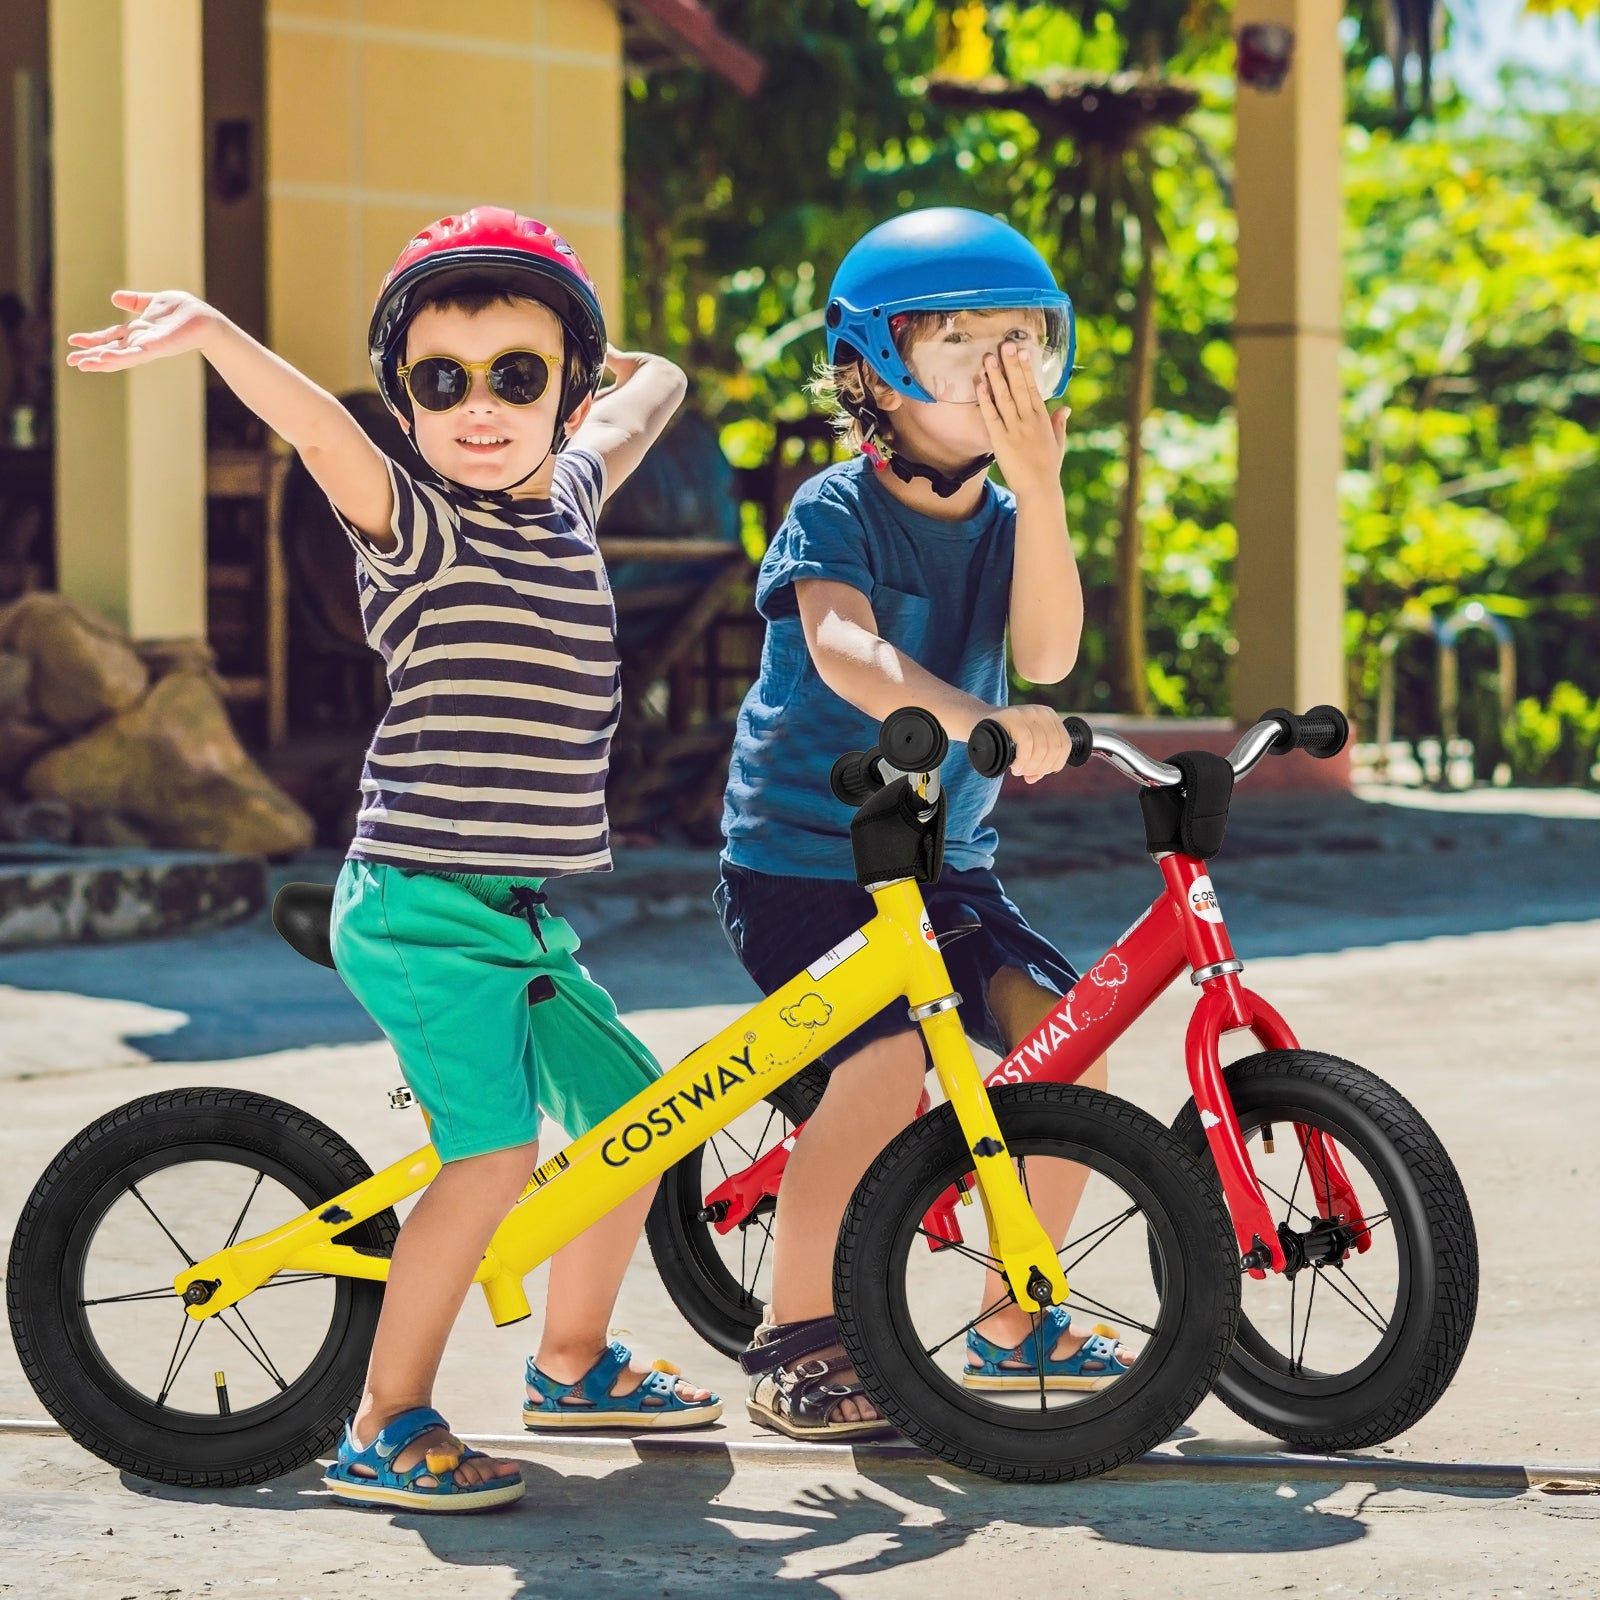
(383, 115)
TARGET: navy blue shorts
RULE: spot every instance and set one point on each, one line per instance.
(779, 925)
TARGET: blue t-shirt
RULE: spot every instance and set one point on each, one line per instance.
(940, 592)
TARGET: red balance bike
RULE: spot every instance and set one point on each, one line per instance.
(1355, 1238)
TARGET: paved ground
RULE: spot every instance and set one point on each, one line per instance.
(1452, 949)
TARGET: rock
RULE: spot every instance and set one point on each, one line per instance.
(163, 657)
(173, 766)
(83, 669)
(20, 742)
(16, 674)
(37, 822)
(107, 831)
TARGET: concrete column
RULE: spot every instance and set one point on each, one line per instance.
(1290, 610)
(126, 119)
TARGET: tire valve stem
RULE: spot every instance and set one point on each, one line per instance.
(221, 1380)
(1266, 1138)
(964, 1190)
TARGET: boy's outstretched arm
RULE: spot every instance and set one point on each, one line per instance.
(347, 465)
(627, 419)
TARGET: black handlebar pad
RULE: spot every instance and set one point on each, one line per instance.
(912, 740)
(1323, 731)
(855, 777)
(991, 749)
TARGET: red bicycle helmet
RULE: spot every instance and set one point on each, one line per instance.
(495, 246)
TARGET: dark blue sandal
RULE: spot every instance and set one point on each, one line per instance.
(389, 1487)
(1093, 1365)
(589, 1403)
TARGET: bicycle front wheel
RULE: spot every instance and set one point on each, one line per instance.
(1352, 1345)
(906, 1296)
(113, 1356)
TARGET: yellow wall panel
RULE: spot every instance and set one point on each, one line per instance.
(503, 21)
(446, 122)
(582, 132)
(319, 310)
(581, 25)
(309, 86)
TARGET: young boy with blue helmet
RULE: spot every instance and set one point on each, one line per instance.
(896, 579)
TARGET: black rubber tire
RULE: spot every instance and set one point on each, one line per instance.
(58, 1350)
(712, 1300)
(1175, 1369)
(1437, 1243)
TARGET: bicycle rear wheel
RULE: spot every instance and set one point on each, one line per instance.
(1354, 1345)
(905, 1306)
(720, 1282)
(245, 1395)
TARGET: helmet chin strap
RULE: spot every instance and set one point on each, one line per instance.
(944, 484)
(557, 439)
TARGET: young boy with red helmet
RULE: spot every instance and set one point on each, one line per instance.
(483, 589)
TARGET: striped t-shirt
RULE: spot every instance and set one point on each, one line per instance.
(495, 622)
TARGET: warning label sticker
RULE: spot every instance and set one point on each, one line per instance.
(840, 952)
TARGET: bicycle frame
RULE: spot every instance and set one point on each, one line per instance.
(895, 955)
(1184, 927)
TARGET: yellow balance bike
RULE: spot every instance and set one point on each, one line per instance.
(195, 1280)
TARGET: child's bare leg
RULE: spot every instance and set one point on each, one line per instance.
(869, 1099)
(1054, 1187)
(585, 1279)
(438, 1251)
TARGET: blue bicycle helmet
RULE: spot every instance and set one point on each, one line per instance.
(940, 258)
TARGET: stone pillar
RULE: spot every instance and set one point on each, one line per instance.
(126, 119)
(1290, 609)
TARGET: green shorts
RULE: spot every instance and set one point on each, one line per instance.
(442, 962)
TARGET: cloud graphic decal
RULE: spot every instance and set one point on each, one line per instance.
(809, 1011)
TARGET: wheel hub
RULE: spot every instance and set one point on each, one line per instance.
(1324, 1244)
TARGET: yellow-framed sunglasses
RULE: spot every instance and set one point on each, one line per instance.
(441, 383)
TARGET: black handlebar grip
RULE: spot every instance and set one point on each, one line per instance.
(1082, 737)
(855, 778)
(1321, 732)
(911, 740)
(990, 748)
(1324, 731)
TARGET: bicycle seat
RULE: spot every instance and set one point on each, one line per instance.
(301, 913)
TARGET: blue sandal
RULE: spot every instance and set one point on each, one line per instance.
(589, 1403)
(1093, 1365)
(392, 1488)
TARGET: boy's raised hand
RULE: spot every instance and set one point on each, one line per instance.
(1028, 439)
(162, 324)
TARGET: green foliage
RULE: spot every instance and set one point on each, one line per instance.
(1472, 415)
(1557, 742)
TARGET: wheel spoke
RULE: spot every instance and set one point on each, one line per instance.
(239, 1220)
(1104, 1230)
(1110, 1311)
(1278, 1194)
(1297, 1363)
(988, 1311)
(133, 1189)
(262, 1360)
(1374, 1318)
(1039, 1356)
(960, 1247)
(164, 1293)
(1298, 1172)
(180, 1353)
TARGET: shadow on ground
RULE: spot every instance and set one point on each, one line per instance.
(668, 1524)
